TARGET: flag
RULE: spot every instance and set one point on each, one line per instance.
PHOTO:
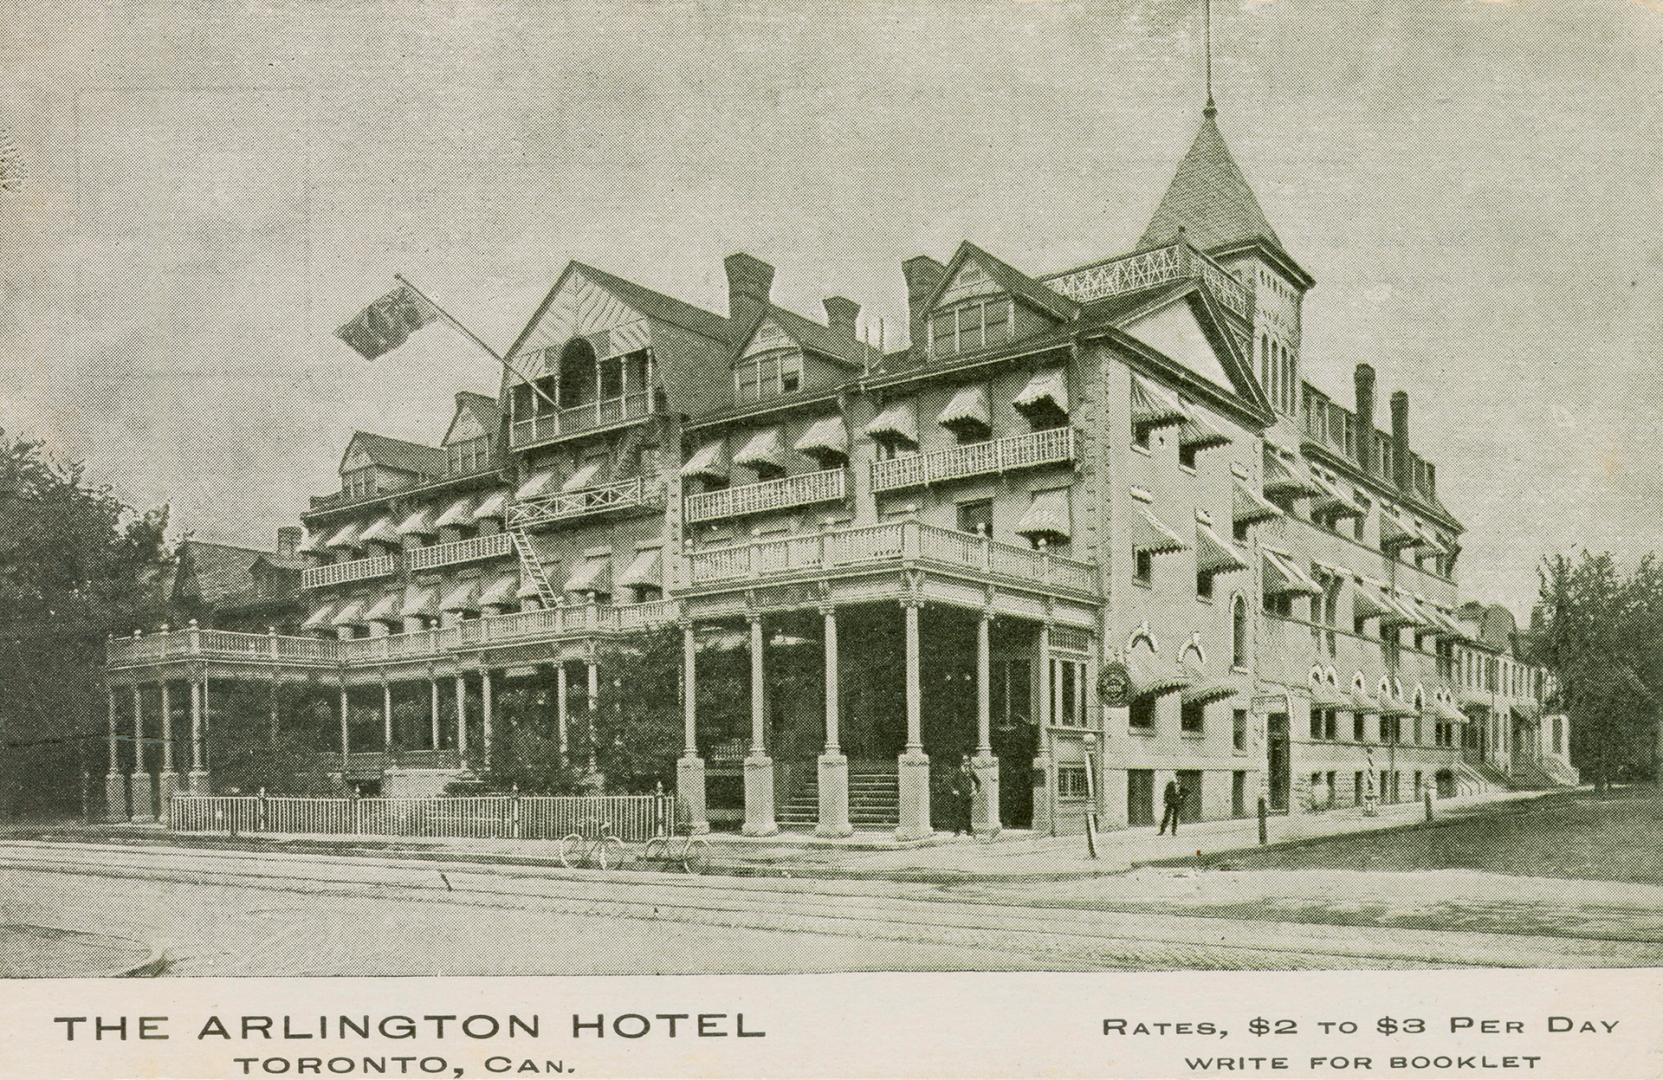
(387, 322)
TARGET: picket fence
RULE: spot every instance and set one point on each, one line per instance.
(528, 817)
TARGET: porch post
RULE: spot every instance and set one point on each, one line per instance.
(759, 767)
(386, 716)
(485, 713)
(1045, 792)
(690, 766)
(913, 767)
(346, 726)
(199, 774)
(594, 703)
(833, 765)
(561, 700)
(168, 782)
(433, 708)
(143, 787)
(984, 809)
(462, 718)
(115, 782)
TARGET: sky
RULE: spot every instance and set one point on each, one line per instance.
(1475, 185)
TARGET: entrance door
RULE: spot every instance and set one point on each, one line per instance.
(1190, 781)
(1140, 797)
(1277, 762)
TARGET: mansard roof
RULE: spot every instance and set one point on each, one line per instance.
(1209, 199)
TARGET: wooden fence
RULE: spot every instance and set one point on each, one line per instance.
(527, 817)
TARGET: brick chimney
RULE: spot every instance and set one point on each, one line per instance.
(749, 282)
(841, 313)
(923, 275)
(1363, 380)
(1403, 473)
(288, 542)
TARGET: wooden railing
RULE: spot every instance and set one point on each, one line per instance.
(892, 542)
(579, 418)
(570, 504)
(1157, 266)
(460, 551)
(1049, 447)
(631, 818)
(375, 566)
(827, 485)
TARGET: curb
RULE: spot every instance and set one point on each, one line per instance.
(152, 966)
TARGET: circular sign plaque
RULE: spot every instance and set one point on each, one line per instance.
(1114, 684)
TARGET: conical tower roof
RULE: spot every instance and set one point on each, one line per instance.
(1209, 198)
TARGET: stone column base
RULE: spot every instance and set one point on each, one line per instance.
(143, 788)
(690, 792)
(984, 807)
(834, 796)
(167, 786)
(913, 780)
(759, 797)
(115, 797)
(200, 782)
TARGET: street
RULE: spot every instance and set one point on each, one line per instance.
(229, 912)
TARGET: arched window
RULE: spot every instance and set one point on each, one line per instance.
(1238, 631)
(577, 373)
(1264, 362)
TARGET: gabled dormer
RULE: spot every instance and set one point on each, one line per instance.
(782, 353)
(471, 440)
(373, 464)
(982, 302)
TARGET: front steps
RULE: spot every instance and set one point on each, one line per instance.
(874, 799)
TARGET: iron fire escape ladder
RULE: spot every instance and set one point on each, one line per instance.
(532, 565)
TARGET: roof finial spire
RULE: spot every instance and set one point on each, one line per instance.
(1207, 31)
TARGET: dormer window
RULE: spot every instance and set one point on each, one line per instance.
(469, 455)
(767, 375)
(971, 325)
(358, 483)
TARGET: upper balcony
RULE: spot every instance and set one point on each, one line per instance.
(1157, 266)
(804, 489)
(1053, 446)
(898, 543)
(472, 549)
(558, 424)
(339, 573)
(563, 505)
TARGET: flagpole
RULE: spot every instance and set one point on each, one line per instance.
(473, 337)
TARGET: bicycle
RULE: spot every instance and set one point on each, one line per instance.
(603, 852)
(693, 853)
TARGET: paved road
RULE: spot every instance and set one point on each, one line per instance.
(259, 913)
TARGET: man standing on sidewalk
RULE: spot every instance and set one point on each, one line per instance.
(1173, 798)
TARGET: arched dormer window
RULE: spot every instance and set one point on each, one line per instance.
(1238, 631)
(579, 373)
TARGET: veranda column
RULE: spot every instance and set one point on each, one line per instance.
(387, 717)
(199, 773)
(1045, 795)
(984, 809)
(168, 782)
(115, 782)
(759, 767)
(690, 766)
(462, 719)
(433, 709)
(913, 768)
(485, 719)
(346, 729)
(594, 704)
(561, 699)
(833, 766)
(143, 788)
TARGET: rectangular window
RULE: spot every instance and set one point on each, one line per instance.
(1359, 787)
(1071, 782)
(1203, 585)
(1238, 729)
(1143, 567)
(1192, 718)
(1190, 781)
(976, 517)
(1238, 794)
(1068, 678)
(1141, 715)
(1359, 727)
(1359, 524)
(791, 373)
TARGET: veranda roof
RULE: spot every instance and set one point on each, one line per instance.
(968, 408)
(382, 531)
(897, 423)
(421, 600)
(584, 476)
(463, 596)
(1047, 389)
(540, 483)
(493, 506)
(711, 462)
(645, 571)
(1153, 407)
(1148, 534)
(1248, 507)
(459, 512)
(1284, 578)
(765, 449)
(418, 523)
(384, 609)
(825, 438)
(346, 537)
(500, 592)
(591, 575)
(1048, 517)
(1213, 555)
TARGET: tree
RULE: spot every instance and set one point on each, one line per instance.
(76, 565)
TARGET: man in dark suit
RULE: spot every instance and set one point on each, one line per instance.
(1173, 798)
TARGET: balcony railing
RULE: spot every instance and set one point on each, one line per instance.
(1053, 446)
(570, 504)
(1157, 266)
(893, 542)
(375, 566)
(337, 500)
(198, 644)
(828, 485)
(580, 418)
(459, 551)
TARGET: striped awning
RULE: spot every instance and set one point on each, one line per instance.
(1395, 532)
(384, 609)
(345, 538)
(1403, 611)
(1208, 691)
(322, 615)
(1153, 407)
(501, 592)
(1047, 389)
(584, 476)
(1284, 478)
(592, 575)
(1334, 502)
(1248, 507)
(351, 613)
(1198, 433)
(537, 484)
(1392, 705)
(421, 600)
(493, 506)
(1213, 555)
(898, 423)
(1443, 710)
(419, 523)
(382, 531)
(1148, 534)
(1361, 701)
(1149, 680)
(825, 438)
(1048, 517)
(764, 449)
(1324, 696)
(463, 596)
(645, 571)
(1283, 577)
(1367, 603)
(528, 590)
(711, 462)
(968, 408)
(457, 513)
(312, 544)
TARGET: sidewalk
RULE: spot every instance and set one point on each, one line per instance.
(1014, 856)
